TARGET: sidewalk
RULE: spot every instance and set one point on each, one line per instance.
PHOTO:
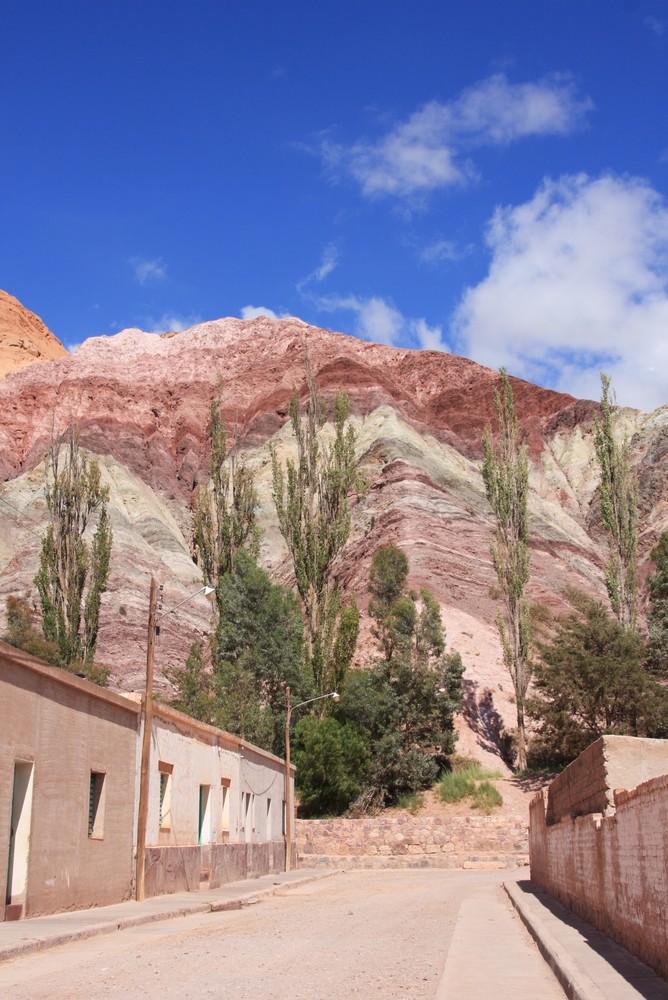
(20, 937)
(587, 963)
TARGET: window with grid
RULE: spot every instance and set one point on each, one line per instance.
(165, 801)
(96, 805)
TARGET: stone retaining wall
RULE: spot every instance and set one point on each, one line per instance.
(414, 842)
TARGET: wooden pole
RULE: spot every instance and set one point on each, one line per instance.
(146, 747)
(288, 797)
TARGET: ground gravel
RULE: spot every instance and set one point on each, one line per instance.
(379, 934)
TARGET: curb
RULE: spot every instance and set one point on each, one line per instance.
(574, 982)
(244, 899)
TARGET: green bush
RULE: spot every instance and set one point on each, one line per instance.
(414, 802)
(332, 764)
(469, 780)
(486, 797)
(455, 786)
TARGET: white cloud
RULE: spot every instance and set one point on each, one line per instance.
(171, 323)
(578, 282)
(381, 322)
(252, 312)
(430, 338)
(149, 270)
(330, 258)
(428, 150)
(377, 320)
(443, 250)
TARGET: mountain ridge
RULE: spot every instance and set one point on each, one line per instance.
(141, 402)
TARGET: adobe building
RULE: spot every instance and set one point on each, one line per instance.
(215, 807)
(70, 764)
(67, 789)
(598, 842)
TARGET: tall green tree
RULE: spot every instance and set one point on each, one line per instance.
(506, 476)
(657, 611)
(73, 571)
(406, 704)
(224, 518)
(257, 652)
(311, 499)
(591, 679)
(619, 510)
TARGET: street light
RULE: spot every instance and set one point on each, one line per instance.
(142, 812)
(289, 709)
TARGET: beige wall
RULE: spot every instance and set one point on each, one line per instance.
(193, 755)
(55, 730)
(611, 869)
(201, 755)
(66, 727)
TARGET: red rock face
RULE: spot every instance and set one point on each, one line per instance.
(155, 391)
(141, 402)
(23, 337)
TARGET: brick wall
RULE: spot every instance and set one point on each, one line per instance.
(612, 869)
(414, 842)
(588, 785)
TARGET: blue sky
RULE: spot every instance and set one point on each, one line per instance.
(482, 177)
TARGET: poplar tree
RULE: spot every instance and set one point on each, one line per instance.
(224, 519)
(506, 476)
(619, 509)
(73, 573)
(657, 611)
(311, 500)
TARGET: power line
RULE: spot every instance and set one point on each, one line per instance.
(22, 514)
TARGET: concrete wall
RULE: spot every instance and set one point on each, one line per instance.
(65, 728)
(611, 869)
(414, 841)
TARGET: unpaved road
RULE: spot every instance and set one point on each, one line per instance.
(378, 934)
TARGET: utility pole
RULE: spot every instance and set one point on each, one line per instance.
(288, 798)
(146, 747)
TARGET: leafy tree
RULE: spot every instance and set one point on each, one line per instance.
(331, 760)
(407, 702)
(194, 684)
(619, 510)
(591, 680)
(506, 476)
(224, 519)
(257, 651)
(657, 612)
(387, 579)
(22, 634)
(311, 500)
(73, 574)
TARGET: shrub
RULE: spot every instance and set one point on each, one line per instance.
(486, 797)
(455, 786)
(413, 802)
(469, 780)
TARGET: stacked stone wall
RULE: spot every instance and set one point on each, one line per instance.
(612, 870)
(414, 842)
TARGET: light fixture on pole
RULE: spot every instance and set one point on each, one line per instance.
(289, 709)
(142, 812)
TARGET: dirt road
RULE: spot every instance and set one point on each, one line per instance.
(413, 935)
